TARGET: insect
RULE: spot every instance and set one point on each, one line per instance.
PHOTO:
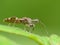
(28, 22)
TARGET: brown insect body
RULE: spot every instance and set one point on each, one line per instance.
(11, 19)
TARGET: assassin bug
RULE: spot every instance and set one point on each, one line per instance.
(28, 22)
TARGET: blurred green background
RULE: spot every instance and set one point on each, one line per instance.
(45, 10)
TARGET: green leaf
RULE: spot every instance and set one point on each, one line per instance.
(11, 36)
(18, 31)
(6, 41)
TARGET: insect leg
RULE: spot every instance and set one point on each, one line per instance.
(31, 27)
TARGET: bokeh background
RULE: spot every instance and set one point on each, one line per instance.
(45, 10)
